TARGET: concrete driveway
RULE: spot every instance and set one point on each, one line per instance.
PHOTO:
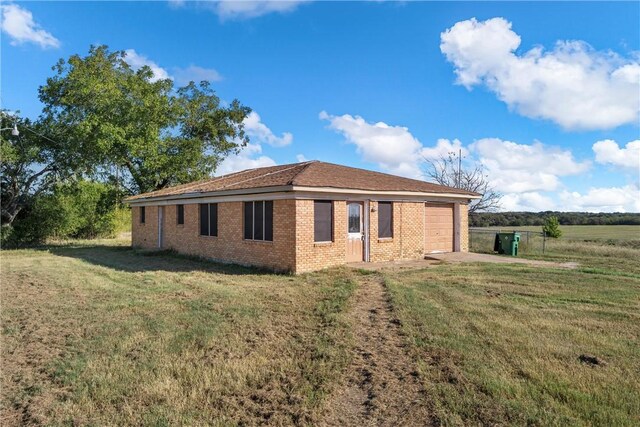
(456, 257)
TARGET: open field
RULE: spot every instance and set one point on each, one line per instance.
(586, 232)
(573, 238)
(97, 333)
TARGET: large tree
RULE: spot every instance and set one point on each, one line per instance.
(450, 170)
(119, 118)
(30, 163)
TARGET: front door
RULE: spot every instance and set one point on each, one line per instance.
(355, 241)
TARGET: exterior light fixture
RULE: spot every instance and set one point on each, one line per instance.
(14, 130)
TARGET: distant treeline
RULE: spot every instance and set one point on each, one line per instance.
(511, 219)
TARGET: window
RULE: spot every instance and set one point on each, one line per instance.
(354, 218)
(323, 221)
(385, 219)
(208, 219)
(180, 214)
(142, 214)
(258, 220)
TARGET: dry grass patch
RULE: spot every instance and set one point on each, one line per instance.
(108, 336)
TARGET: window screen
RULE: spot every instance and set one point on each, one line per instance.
(354, 218)
(268, 220)
(180, 214)
(204, 219)
(322, 221)
(142, 214)
(385, 219)
(208, 219)
(248, 220)
(213, 219)
(258, 220)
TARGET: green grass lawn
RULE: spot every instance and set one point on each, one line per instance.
(501, 344)
(95, 333)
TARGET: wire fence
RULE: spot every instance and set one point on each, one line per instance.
(482, 240)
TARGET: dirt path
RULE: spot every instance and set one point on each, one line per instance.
(381, 387)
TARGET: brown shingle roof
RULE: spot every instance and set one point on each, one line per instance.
(306, 174)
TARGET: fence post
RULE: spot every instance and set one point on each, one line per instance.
(544, 241)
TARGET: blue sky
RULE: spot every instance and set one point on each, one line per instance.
(544, 95)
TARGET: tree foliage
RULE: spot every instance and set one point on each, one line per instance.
(29, 163)
(116, 117)
(514, 219)
(551, 227)
(449, 170)
(75, 209)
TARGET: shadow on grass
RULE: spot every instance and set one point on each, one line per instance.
(125, 258)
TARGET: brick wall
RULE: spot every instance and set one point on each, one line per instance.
(229, 245)
(407, 241)
(293, 247)
(314, 256)
(464, 227)
(408, 233)
(145, 235)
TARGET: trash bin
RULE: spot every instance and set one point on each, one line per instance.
(507, 243)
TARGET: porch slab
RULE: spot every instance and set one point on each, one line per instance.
(455, 257)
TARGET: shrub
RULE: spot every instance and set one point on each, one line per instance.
(552, 227)
(80, 209)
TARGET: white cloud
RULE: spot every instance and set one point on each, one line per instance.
(182, 76)
(529, 175)
(301, 158)
(527, 202)
(572, 85)
(254, 127)
(443, 148)
(612, 199)
(250, 157)
(137, 61)
(196, 74)
(609, 153)
(603, 199)
(18, 24)
(244, 9)
(393, 148)
(514, 168)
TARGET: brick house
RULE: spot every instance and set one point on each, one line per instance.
(303, 217)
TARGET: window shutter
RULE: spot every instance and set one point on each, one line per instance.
(204, 219)
(385, 219)
(322, 221)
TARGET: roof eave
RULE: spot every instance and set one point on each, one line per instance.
(299, 189)
(385, 192)
(259, 190)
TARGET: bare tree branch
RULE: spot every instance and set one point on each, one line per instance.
(444, 171)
